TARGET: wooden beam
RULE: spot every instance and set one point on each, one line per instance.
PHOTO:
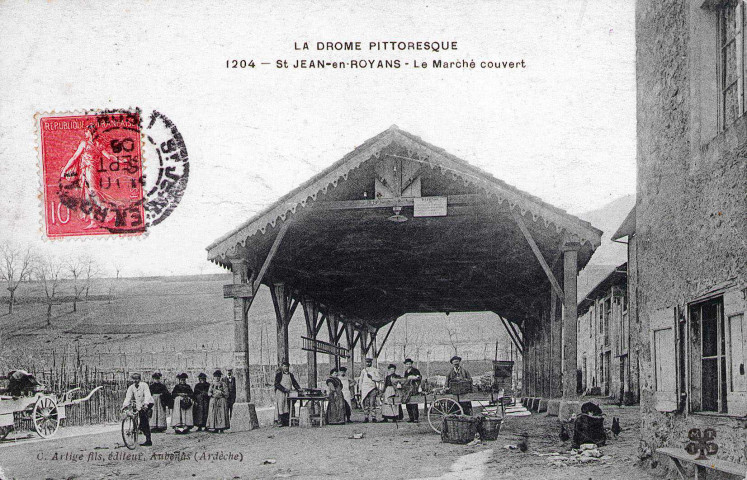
(511, 334)
(293, 308)
(383, 342)
(537, 253)
(469, 199)
(355, 340)
(340, 331)
(318, 326)
(271, 255)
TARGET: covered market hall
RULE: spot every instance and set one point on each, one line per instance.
(400, 226)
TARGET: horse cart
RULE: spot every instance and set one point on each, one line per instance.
(43, 410)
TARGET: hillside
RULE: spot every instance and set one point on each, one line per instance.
(184, 322)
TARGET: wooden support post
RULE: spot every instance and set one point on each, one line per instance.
(282, 301)
(311, 312)
(363, 336)
(570, 271)
(556, 345)
(240, 270)
(349, 336)
(333, 321)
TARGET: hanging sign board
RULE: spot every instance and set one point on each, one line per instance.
(430, 206)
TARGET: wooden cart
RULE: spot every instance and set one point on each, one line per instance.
(44, 411)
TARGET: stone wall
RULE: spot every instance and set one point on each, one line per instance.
(690, 234)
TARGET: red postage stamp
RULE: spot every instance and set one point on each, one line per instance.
(92, 174)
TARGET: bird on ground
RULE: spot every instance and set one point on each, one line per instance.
(523, 443)
(616, 426)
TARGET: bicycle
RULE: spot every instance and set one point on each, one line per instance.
(130, 428)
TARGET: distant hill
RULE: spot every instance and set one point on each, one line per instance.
(172, 323)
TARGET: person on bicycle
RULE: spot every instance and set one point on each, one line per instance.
(143, 402)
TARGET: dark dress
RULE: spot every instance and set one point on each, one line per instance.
(161, 403)
(336, 402)
(181, 418)
(202, 401)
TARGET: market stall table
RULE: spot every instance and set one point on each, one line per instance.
(316, 405)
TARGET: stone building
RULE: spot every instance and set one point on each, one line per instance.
(690, 227)
(604, 347)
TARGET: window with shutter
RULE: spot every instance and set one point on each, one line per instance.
(664, 358)
(732, 61)
(736, 329)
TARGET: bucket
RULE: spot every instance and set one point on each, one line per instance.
(490, 427)
(459, 429)
(304, 419)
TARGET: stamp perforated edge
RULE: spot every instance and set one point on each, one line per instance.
(42, 230)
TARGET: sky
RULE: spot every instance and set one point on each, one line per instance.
(563, 128)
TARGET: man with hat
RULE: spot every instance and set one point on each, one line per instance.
(202, 402)
(412, 386)
(161, 403)
(459, 374)
(139, 393)
(368, 386)
(231, 384)
(284, 383)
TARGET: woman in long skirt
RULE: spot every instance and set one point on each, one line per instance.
(336, 402)
(218, 410)
(202, 401)
(390, 410)
(181, 415)
(161, 404)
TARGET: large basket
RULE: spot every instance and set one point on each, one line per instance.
(490, 427)
(460, 387)
(459, 429)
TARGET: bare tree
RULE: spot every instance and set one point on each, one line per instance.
(451, 331)
(76, 268)
(113, 283)
(91, 270)
(48, 272)
(15, 267)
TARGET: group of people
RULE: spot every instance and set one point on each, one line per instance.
(377, 394)
(208, 406)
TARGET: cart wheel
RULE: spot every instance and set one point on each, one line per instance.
(441, 408)
(4, 431)
(45, 416)
(129, 432)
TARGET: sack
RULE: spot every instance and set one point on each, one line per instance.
(589, 429)
(186, 403)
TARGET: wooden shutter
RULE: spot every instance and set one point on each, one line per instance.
(664, 358)
(736, 342)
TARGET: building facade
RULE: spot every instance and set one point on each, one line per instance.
(605, 352)
(689, 250)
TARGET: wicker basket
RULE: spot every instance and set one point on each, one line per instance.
(460, 387)
(490, 427)
(459, 429)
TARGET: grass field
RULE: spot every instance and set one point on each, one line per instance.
(184, 324)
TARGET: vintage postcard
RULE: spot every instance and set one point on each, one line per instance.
(403, 240)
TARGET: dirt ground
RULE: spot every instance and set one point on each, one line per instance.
(402, 451)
